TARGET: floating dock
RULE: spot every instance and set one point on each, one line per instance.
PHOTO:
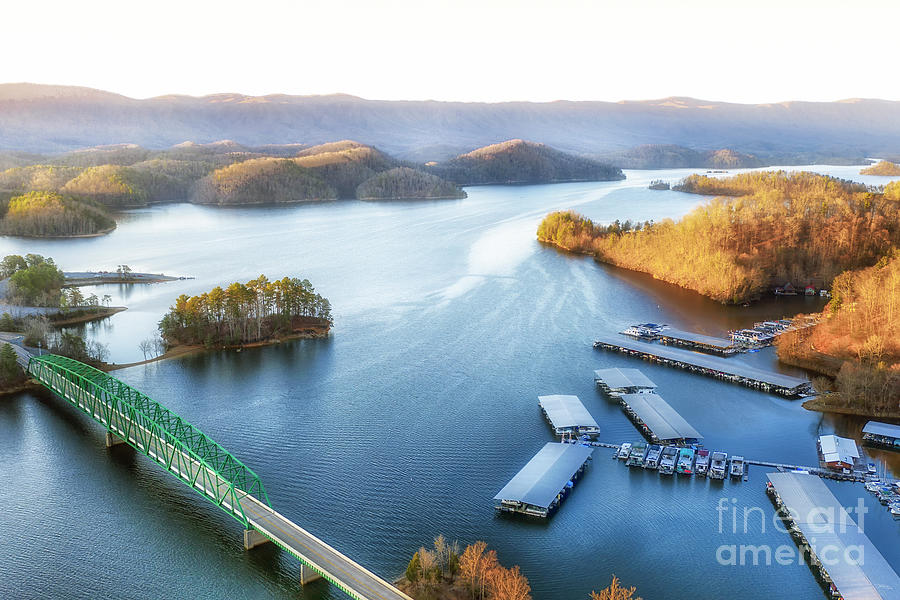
(658, 420)
(567, 415)
(616, 382)
(713, 366)
(698, 341)
(880, 434)
(541, 485)
(845, 558)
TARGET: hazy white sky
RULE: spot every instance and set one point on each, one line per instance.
(483, 50)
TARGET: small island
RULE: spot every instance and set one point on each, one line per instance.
(256, 313)
(659, 184)
(883, 167)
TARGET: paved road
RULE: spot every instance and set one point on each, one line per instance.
(301, 543)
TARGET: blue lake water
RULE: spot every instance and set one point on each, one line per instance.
(450, 320)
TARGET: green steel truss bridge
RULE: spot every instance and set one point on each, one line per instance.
(134, 418)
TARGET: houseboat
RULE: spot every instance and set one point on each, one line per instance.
(624, 450)
(644, 331)
(652, 460)
(702, 465)
(667, 460)
(685, 462)
(636, 458)
(718, 465)
(737, 466)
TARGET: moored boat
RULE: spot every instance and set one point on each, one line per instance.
(624, 451)
(652, 460)
(636, 458)
(667, 460)
(737, 466)
(702, 465)
(718, 465)
(685, 464)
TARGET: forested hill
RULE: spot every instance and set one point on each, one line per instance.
(518, 161)
(775, 227)
(36, 118)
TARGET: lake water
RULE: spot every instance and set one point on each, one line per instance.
(450, 320)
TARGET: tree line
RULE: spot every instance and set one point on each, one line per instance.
(475, 572)
(772, 228)
(258, 310)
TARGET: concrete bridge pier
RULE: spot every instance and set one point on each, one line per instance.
(307, 575)
(253, 538)
(113, 440)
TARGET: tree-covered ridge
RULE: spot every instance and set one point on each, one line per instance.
(345, 165)
(892, 191)
(786, 227)
(48, 214)
(882, 168)
(42, 178)
(671, 156)
(111, 185)
(857, 340)
(262, 181)
(519, 161)
(256, 311)
(787, 183)
(406, 183)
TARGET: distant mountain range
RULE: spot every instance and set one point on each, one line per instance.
(39, 118)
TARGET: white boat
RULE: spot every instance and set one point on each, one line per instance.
(624, 451)
(652, 460)
(737, 466)
(702, 466)
(718, 465)
(667, 460)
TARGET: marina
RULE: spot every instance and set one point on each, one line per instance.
(712, 366)
(544, 482)
(568, 416)
(657, 420)
(616, 382)
(846, 561)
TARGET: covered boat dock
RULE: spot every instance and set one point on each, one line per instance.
(622, 381)
(542, 484)
(712, 366)
(845, 558)
(698, 341)
(658, 420)
(882, 434)
(567, 415)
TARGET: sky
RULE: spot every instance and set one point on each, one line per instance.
(486, 50)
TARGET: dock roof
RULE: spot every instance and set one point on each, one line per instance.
(882, 429)
(623, 378)
(730, 366)
(831, 532)
(566, 411)
(697, 338)
(663, 420)
(546, 474)
(838, 449)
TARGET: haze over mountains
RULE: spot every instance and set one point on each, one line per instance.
(38, 118)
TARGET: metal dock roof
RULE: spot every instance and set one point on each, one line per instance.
(831, 531)
(663, 420)
(882, 429)
(729, 366)
(623, 378)
(546, 474)
(697, 338)
(566, 411)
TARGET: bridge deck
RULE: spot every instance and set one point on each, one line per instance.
(334, 566)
